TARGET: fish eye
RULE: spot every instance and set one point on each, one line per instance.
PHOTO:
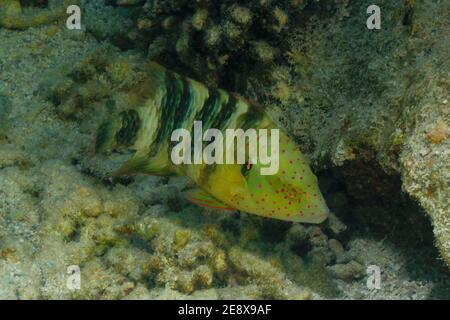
(246, 168)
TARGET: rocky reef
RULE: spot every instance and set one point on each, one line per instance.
(375, 102)
(370, 108)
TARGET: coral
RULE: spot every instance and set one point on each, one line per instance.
(373, 124)
(108, 22)
(218, 43)
(118, 244)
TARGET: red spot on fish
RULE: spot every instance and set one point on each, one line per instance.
(282, 190)
(309, 206)
(291, 162)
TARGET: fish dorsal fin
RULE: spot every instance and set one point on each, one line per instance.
(204, 199)
(141, 163)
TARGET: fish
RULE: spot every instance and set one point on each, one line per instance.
(164, 101)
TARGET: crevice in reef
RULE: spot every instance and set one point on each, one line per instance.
(363, 196)
(373, 206)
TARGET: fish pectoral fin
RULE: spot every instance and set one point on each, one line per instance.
(204, 199)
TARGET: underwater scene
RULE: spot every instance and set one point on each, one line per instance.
(225, 149)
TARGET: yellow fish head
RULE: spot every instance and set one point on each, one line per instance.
(292, 194)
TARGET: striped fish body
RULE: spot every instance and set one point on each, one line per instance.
(164, 101)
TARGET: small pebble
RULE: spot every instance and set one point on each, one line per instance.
(336, 247)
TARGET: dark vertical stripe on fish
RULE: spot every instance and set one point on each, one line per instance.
(224, 114)
(209, 108)
(131, 123)
(174, 106)
(183, 110)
